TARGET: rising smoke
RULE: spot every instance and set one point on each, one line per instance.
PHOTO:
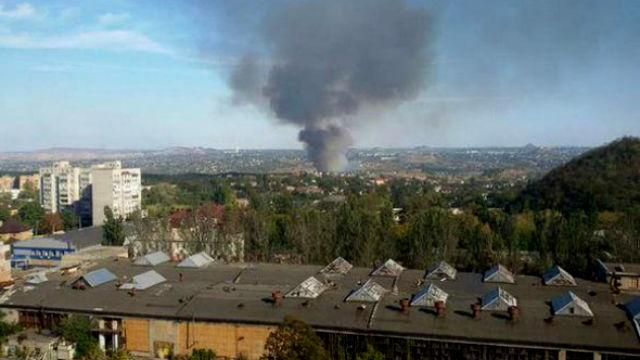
(330, 59)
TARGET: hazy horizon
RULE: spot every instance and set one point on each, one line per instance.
(133, 75)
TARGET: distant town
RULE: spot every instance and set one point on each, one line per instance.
(333, 250)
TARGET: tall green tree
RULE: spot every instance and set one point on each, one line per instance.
(77, 329)
(32, 214)
(113, 233)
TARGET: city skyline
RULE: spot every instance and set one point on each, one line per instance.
(130, 75)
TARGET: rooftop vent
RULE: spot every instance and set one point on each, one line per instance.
(371, 291)
(339, 266)
(309, 289)
(498, 300)
(144, 281)
(514, 313)
(429, 296)
(442, 270)
(571, 305)
(277, 298)
(196, 261)
(559, 277)
(389, 268)
(152, 259)
(95, 278)
(405, 306)
(441, 308)
(498, 274)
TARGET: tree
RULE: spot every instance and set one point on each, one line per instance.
(370, 354)
(5, 213)
(202, 354)
(77, 329)
(51, 223)
(32, 214)
(294, 340)
(113, 229)
(7, 328)
(69, 220)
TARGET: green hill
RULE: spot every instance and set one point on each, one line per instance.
(606, 178)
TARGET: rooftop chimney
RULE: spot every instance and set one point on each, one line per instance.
(514, 313)
(405, 306)
(475, 311)
(277, 297)
(441, 308)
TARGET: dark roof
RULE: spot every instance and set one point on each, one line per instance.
(240, 293)
(82, 238)
(13, 226)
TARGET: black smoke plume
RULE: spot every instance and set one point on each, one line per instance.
(329, 59)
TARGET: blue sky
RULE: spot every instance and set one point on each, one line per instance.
(151, 74)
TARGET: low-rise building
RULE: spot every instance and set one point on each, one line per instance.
(39, 252)
(31, 344)
(14, 230)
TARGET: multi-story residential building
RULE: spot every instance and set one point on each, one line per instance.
(63, 186)
(59, 187)
(6, 183)
(114, 187)
(29, 180)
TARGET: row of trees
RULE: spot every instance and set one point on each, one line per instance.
(406, 221)
(366, 230)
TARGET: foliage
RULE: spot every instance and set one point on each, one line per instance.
(294, 340)
(77, 329)
(604, 179)
(51, 223)
(202, 354)
(370, 354)
(113, 233)
(70, 220)
(32, 214)
(5, 213)
(6, 328)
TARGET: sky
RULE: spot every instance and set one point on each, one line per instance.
(141, 74)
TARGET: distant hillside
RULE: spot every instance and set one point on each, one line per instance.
(606, 178)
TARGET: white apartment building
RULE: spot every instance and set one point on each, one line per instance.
(60, 187)
(63, 186)
(119, 189)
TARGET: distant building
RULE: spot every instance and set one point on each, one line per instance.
(6, 183)
(60, 187)
(29, 180)
(119, 189)
(5, 264)
(39, 252)
(63, 186)
(14, 230)
(35, 345)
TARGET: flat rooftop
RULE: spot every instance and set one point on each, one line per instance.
(241, 293)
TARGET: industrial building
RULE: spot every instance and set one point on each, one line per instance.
(157, 308)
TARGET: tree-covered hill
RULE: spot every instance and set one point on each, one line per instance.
(604, 179)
